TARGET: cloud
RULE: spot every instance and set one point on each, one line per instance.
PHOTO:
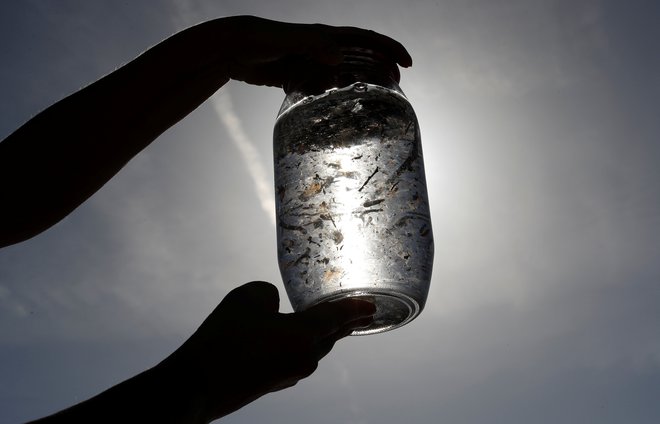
(260, 179)
(10, 306)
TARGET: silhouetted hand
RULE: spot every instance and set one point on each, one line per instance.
(246, 348)
(263, 52)
(243, 350)
(63, 155)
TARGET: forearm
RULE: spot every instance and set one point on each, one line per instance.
(150, 397)
(63, 155)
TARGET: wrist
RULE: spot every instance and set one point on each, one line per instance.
(177, 395)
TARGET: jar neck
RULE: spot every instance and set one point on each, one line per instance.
(359, 65)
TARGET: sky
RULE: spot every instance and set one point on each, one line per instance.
(541, 144)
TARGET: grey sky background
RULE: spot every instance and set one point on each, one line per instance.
(541, 141)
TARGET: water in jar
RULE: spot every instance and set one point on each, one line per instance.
(351, 201)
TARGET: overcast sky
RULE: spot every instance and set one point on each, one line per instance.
(541, 138)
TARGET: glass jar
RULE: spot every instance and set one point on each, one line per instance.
(351, 201)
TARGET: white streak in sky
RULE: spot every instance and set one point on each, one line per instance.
(262, 183)
(187, 14)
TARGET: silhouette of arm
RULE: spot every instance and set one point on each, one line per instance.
(63, 155)
(243, 350)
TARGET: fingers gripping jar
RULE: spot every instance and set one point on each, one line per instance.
(351, 201)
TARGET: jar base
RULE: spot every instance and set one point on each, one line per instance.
(393, 309)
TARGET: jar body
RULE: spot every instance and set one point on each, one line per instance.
(351, 202)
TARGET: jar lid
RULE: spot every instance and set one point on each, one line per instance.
(359, 65)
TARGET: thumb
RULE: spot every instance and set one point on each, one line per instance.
(253, 297)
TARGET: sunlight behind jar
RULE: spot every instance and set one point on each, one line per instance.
(354, 263)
